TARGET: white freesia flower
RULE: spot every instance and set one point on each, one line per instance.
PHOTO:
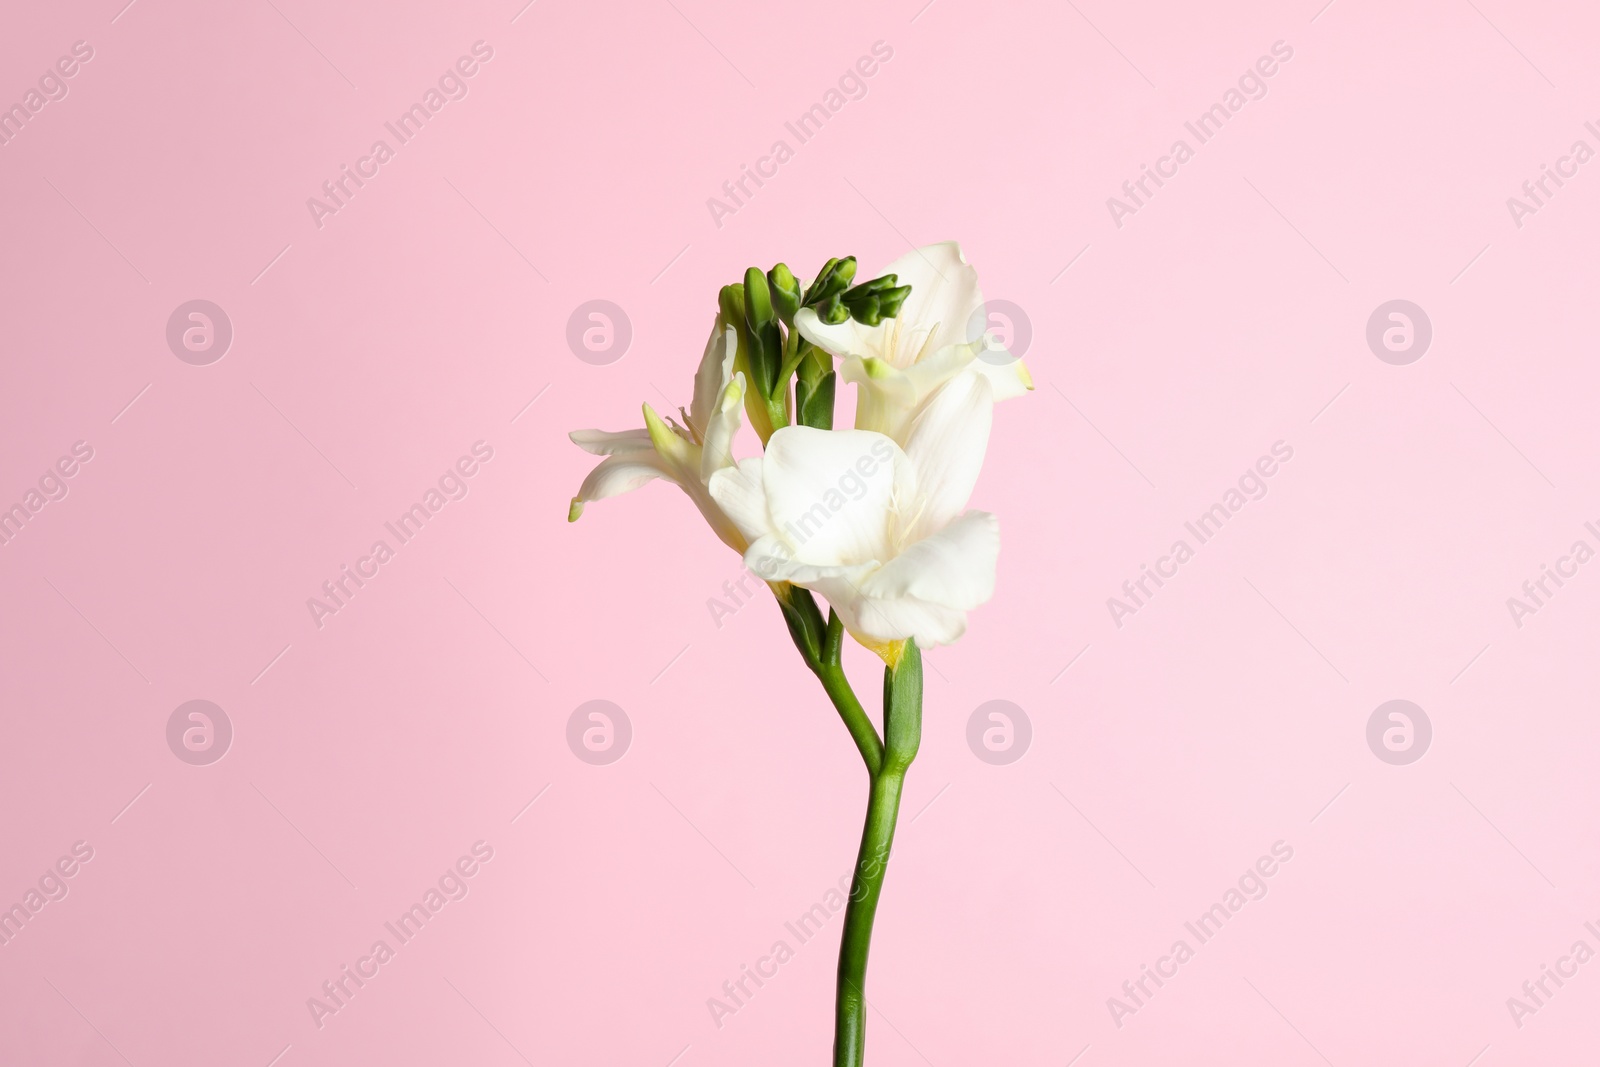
(686, 455)
(937, 335)
(877, 529)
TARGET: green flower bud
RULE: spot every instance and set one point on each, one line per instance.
(833, 279)
(890, 300)
(785, 292)
(832, 311)
(814, 291)
(876, 285)
(871, 302)
(731, 302)
(766, 343)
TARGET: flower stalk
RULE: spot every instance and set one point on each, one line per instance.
(887, 760)
(902, 728)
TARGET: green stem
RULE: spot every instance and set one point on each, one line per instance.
(887, 761)
(837, 686)
(820, 646)
(850, 1017)
(865, 735)
(902, 729)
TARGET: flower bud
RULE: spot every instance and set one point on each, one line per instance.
(833, 279)
(890, 300)
(761, 321)
(832, 311)
(876, 285)
(865, 310)
(731, 303)
(785, 292)
(871, 302)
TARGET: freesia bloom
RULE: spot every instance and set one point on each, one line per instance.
(686, 455)
(879, 530)
(938, 334)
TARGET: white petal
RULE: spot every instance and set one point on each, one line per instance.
(616, 475)
(878, 622)
(1009, 378)
(713, 375)
(946, 446)
(832, 494)
(610, 442)
(715, 517)
(889, 397)
(721, 427)
(944, 292)
(954, 567)
(886, 396)
(770, 559)
(848, 338)
(739, 493)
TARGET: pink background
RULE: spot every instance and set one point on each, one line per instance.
(368, 354)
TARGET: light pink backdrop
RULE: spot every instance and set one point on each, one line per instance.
(369, 353)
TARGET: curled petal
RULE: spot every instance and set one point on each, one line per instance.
(1008, 377)
(927, 590)
(954, 567)
(876, 623)
(721, 426)
(712, 377)
(616, 475)
(610, 442)
(771, 559)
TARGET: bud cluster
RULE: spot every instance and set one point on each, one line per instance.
(771, 351)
